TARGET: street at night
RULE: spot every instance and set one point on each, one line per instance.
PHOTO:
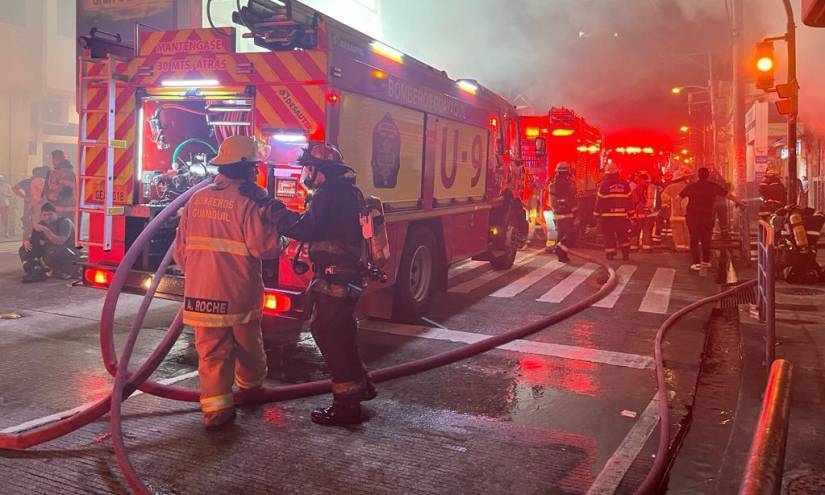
(384, 247)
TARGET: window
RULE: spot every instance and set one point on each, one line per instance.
(13, 12)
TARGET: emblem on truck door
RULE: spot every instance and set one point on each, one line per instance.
(386, 152)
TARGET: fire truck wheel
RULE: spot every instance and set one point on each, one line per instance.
(506, 260)
(416, 274)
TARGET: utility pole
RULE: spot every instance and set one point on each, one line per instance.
(714, 158)
(790, 38)
(737, 42)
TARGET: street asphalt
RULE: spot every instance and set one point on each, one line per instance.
(570, 409)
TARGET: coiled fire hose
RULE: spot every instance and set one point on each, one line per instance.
(126, 383)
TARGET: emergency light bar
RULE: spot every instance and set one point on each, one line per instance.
(563, 132)
(228, 108)
(467, 86)
(189, 83)
(290, 138)
(385, 51)
(229, 123)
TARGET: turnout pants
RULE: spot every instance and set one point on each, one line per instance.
(615, 231)
(227, 355)
(679, 231)
(565, 232)
(334, 329)
(701, 231)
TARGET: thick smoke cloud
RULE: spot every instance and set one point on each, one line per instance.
(611, 60)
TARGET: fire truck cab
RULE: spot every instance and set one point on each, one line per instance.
(441, 154)
(547, 140)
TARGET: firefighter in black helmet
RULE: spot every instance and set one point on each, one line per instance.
(563, 201)
(330, 225)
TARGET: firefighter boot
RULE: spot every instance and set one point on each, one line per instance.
(338, 414)
(626, 253)
(562, 254)
(369, 391)
(250, 398)
(218, 419)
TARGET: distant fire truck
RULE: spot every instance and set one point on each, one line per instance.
(559, 136)
(440, 153)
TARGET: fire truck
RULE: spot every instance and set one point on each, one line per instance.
(561, 135)
(442, 154)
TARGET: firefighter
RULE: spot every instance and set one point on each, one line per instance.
(773, 192)
(678, 209)
(330, 224)
(220, 242)
(563, 202)
(645, 198)
(613, 206)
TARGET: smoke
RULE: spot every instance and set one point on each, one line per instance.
(611, 61)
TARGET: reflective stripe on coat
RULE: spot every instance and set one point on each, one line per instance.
(220, 242)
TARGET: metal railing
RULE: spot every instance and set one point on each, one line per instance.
(766, 287)
(744, 220)
(766, 459)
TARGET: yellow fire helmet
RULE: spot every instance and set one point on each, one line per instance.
(235, 150)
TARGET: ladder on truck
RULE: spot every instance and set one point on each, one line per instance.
(101, 73)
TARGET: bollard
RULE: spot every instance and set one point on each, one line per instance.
(766, 460)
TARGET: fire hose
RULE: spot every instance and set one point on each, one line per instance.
(652, 481)
(126, 383)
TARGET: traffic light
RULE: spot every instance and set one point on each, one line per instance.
(765, 65)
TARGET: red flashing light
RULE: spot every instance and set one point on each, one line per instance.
(545, 130)
(98, 277)
(563, 132)
(379, 74)
(332, 97)
(275, 302)
(493, 122)
(531, 131)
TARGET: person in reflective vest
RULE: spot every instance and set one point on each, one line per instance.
(773, 192)
(645, 198)
(221, 240)
(563, 201)
(678, 209)
(613, 207)
(330, 225)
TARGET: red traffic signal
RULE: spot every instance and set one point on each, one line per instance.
(765, 64)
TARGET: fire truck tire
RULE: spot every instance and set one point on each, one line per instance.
(506, 260)
(415, 283)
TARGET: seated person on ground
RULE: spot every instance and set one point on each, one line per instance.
(50, 251)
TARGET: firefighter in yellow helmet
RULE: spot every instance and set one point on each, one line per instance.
(220, 242)
(773, 192)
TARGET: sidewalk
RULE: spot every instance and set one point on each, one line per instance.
(800, 330)
(730, 393)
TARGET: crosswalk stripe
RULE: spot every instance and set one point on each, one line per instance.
(569, 284)
(464, 267)
(657, 297)
(519, 345)
(486, 277)
(528, 280)
(624, 273)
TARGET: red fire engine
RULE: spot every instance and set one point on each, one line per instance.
(437, 151)
(559, 136)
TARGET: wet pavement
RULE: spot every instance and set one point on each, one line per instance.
(566, 410)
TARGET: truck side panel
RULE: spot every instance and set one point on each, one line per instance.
(384, 143)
